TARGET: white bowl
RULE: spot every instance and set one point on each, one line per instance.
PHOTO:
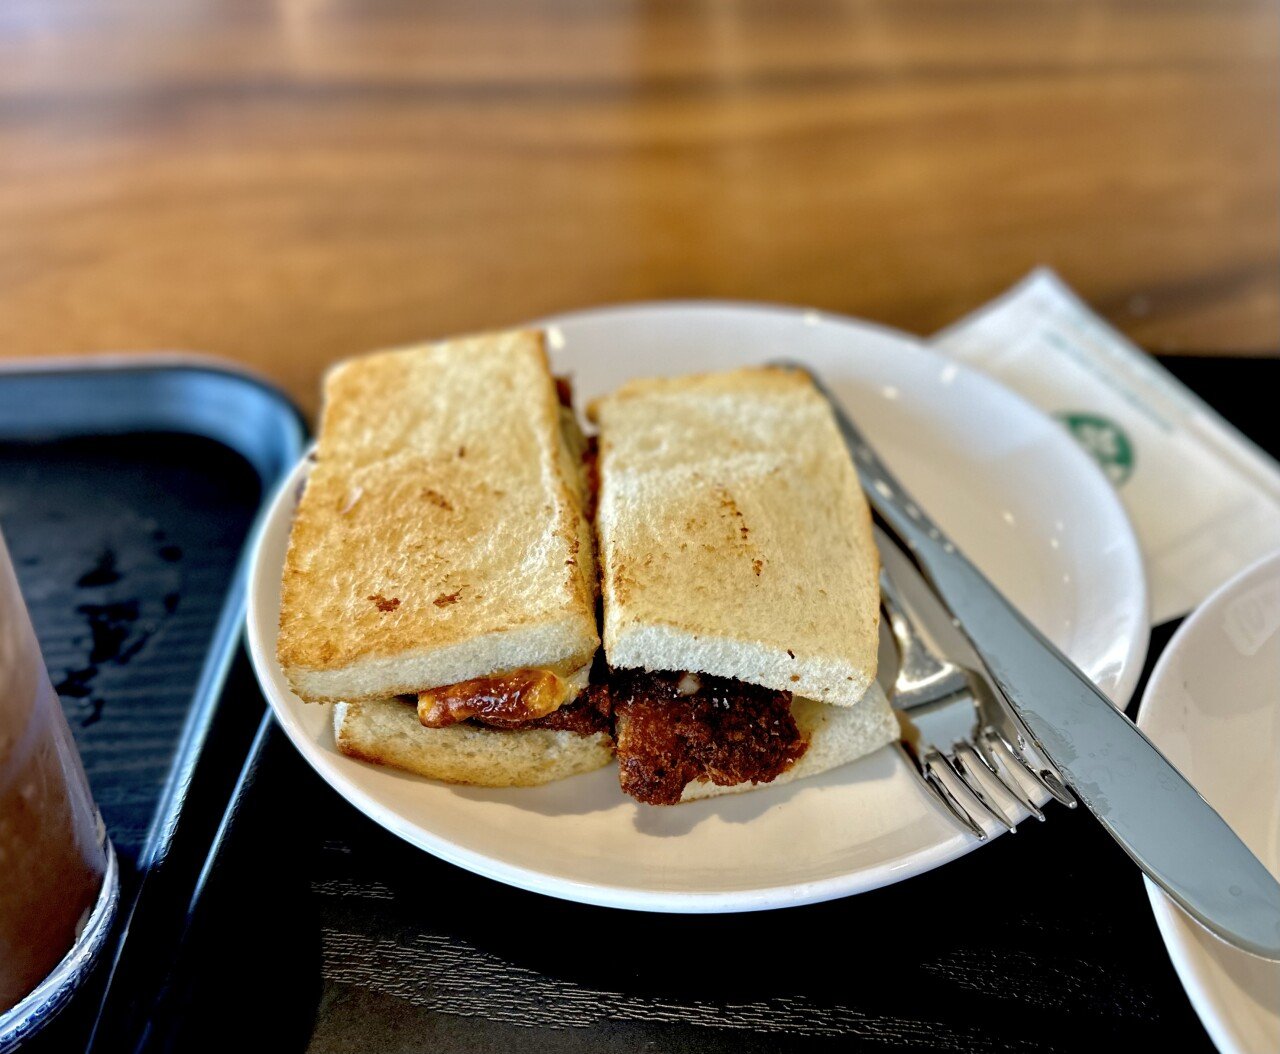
(1213, 709)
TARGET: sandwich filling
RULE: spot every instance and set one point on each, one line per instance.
(673, 729)
(669, 729)
(518, 700)
(521, 695)
(588, 715)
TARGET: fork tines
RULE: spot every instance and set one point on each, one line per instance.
(965, 739)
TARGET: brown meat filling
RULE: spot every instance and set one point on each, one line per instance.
(564, 391)
(670, 729)
(591, 469)
(673, 729)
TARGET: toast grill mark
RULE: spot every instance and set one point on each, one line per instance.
(739, 533)
(730, 507)
(382, 603)
(445, 599)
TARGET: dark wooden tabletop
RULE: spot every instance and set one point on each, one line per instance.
(286, 183)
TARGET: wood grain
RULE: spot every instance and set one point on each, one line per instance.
(286, 183)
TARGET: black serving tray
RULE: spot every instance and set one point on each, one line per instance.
(127, 491)
(314, 929)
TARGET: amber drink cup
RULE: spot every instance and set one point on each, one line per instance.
(58, 884)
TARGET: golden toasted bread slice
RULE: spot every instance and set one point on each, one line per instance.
(441, 536)
(733, 536)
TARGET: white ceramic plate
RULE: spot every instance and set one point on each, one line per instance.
(1006, 481)
(1213, 708)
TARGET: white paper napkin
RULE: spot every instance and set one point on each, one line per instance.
(1204, 501)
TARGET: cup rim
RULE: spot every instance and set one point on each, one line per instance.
(44, 1002)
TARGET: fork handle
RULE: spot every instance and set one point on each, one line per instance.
(1145, 803)
(914, 659)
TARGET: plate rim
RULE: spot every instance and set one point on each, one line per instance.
(1170, 919)
(628, 897)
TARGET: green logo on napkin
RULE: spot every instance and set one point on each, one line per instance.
(1104, 441)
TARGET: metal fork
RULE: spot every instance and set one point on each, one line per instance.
(956, 727)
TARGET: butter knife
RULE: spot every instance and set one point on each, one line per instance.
(1145, 803)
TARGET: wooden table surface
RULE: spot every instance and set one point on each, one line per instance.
(286, 183)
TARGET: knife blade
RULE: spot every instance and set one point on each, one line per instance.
(1138, 796)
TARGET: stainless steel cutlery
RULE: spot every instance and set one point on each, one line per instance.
(1145, 803)
(958, 732)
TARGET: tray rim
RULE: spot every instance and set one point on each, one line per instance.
(224, 642)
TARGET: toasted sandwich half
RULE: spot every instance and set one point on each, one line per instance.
(740, 586)
(440, 582)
